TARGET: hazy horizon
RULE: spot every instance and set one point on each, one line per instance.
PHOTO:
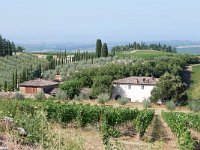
(112, 21)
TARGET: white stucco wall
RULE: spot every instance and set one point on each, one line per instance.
(135, 92)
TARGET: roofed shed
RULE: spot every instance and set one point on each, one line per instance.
(37, 85)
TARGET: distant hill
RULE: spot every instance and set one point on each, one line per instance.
(192, 47)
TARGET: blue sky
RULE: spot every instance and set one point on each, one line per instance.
(110, 20)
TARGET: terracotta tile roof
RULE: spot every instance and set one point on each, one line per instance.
(39, 83)
(137, 80)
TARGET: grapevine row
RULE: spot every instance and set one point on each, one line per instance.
(179, 125)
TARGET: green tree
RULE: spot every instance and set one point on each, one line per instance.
(104, 50)
(20, 49)
(169, 87)
(101, 84)
(49, 57)
(98, 48)
(71, 88)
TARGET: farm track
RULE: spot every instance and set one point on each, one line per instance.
(196, 136)
(159, 132)
(187, 74)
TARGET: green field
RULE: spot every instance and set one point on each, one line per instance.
(147, 54)
(194, 90)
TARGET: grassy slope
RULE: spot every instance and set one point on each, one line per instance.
(147, 54)
(194, 90)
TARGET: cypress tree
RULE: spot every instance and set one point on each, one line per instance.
(98, 48)
(16, 79)
(104, 50)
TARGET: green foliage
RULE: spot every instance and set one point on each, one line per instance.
(49, 57)
(144, 46)
(35, 125)
(194, 105)
(81, 97)
(103, 98)
(179, 124)
(171, 105)
(85, 80)
(143, 120)
(194, 90)
(20, 49)
(61, 95)
(71, 88)
(145, 54)
(146, 103)
(19, 68)
(36, 115)
(104, 50)
(40, 96)
(169, 87)
(98, 48)
(101, 84)
(6, 47)
(123, 100)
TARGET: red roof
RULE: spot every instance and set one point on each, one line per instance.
(137, 80)
(38, 83)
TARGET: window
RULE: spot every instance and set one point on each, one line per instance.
(142, 87)
(129, 87)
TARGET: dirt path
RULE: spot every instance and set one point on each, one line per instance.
(159, 131)
(196, 136)
(187, 74)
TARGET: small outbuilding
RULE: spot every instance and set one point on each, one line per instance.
(137, 89)
(38, 85)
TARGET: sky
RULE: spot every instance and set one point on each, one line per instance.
(110, 20)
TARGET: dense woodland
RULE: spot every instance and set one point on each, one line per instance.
(8, 48)
(143, 46)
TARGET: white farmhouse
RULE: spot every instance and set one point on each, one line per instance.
(135, 88)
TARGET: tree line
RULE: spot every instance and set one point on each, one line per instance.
(7, 47)
(143, 46)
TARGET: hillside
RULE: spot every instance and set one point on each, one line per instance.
(20, 66)
(194, 90)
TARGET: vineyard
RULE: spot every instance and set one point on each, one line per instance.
(37, 119)
(180, 124)
(107, 119)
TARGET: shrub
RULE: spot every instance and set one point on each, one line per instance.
(19, 96)
(146, 103)
(171, 105)
(194, 105)
(103, 98)
(81, 97)
(40, 96)
(61, 95)
(123, 100)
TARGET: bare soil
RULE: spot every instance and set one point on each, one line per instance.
(196, 136)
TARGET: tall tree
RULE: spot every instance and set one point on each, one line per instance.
(104, 50)
(98, 48)
(169, 87)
